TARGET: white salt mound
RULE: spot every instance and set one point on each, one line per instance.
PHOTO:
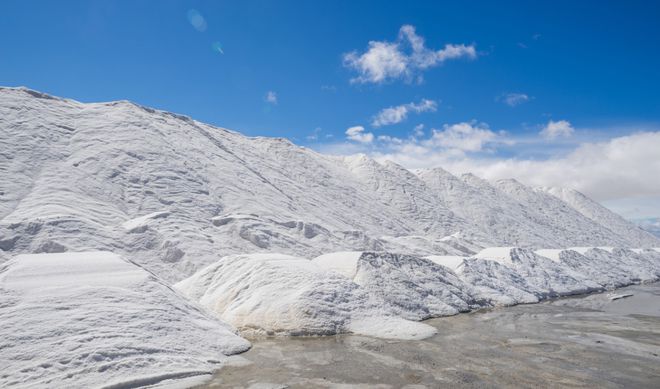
(552, 278)
(90, 319)
(596, 264)
(414, 287)
(285, 295)
(498, 285)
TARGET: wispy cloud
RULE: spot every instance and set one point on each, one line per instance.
(513, 99)
(357, 134)
(271, 97)
(404, 58)
(314, 135)
(553, 130)
(526, 45)
(399, 113)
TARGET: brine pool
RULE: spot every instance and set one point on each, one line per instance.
(588, 341)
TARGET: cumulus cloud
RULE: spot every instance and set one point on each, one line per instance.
(462, 136)
(553, 130)
(451, 142)
(513, 99)
(394, 115)
(401, 59)
(626, 166)
(271, 97)
(455, 140)
(357, 134)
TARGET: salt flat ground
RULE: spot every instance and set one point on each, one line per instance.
(588, 341)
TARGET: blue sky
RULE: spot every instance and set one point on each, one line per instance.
(524, 89)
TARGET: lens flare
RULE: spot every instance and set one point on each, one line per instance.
(197, 20)
(217, 47)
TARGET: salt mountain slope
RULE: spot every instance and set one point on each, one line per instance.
(494, 211)
(401, 190)
(522, 216)
(562, 219)
(600, 214)
(74, 174)
(177, 194)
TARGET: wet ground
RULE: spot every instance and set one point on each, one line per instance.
(582, 342)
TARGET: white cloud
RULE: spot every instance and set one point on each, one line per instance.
(271, 97)
(619, 170)
(390, 139)
(382, 61)
(394, 115)
(557, 129)
(513, 99)
(625, 167)
(314, 135)
(403, 58)
(462, 137)
(456, 140)
(418, 131)
(357, 134)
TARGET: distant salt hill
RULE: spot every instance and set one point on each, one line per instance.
(174, 194)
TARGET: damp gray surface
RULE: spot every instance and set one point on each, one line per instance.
(588, 341)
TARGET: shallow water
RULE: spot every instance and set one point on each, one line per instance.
(587, 341)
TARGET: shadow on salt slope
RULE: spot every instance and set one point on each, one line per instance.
(551, 278)
(493, 283)
(414, 287)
